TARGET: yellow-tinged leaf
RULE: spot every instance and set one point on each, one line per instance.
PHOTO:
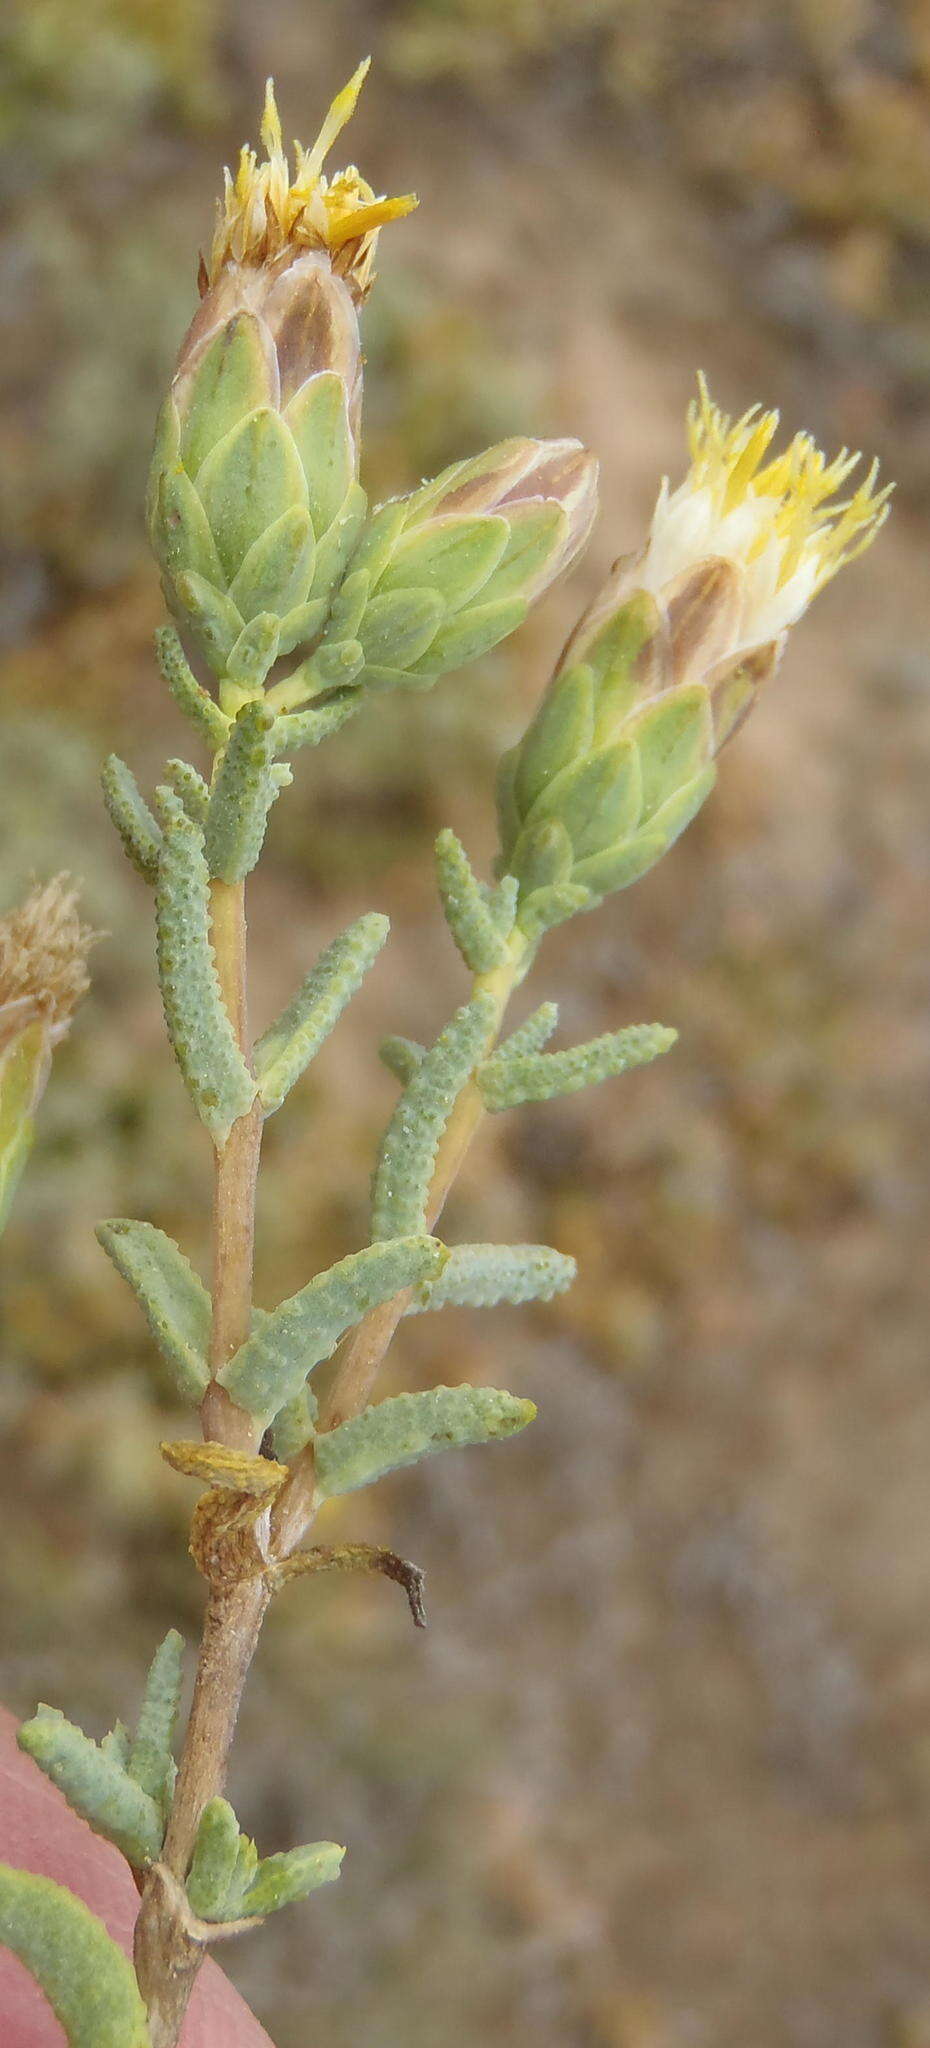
(218, 1465)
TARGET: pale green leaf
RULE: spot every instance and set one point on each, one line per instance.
(410, 1427)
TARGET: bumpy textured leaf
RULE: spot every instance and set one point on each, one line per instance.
(117, 1743)
(507, 1080)
(217, 1078)
(213, 1865)
(183, 778)
(411, 1426)
(470, 919)
(151, 1759)
(128, 811)
(173, 1300)
(96, 1786)
(307, 728)
(221, 1465)
(548, 907)
(402, 1178)
(242, 795)
(273, 1363)
(284, 1051)
(89, 1983)
(195, 702)
(294, 1874)
(480, 1275)
(532, 1035)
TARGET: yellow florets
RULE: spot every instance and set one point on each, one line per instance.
(794, 488)
(265, 210)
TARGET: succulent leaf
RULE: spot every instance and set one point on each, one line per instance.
(507, 1080)
(287, 1048)
(411, 1426)
(400, 1190)
(242, 795)
(481, 1275)
(151, 1759)
(88, 1981)
(129, 812)
(214, 1071)
(95, 1785)
(173, 1300)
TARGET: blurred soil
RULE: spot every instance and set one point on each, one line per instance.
(659, 1774)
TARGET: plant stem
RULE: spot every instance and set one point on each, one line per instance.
(167, 1958)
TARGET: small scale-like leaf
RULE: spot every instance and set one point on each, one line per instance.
(301, 625)
(480, 1275)
(232, 376)
(559, 735)
(401, 1056)
(318, 419)
(547, 908)
(277, 572)
(451, 556)
(621, 865)
(213, 1866)
(471, 922)
(180, 531)
(248, 480)
(412, 1426)
(129, 812)
(471, 632)
(294, 1424)
(117, 1743)
(537, 536)
(242, 795)
(254, 653)
(398, 628)
(379, 539)
(294, 1874)
(96, 1786)
(151, 1759)
(287, 1048)
(336, 545)
(212, 616)
(217, 1078)
(88, 1981)
(400, 1189)
(675, 738)
(506, 1080)
(543, 857)
(271, 1366)
(195, 702)
(173, 1300)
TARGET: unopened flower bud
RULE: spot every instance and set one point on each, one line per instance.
(253, 502)
(43, 975)
(671, 656)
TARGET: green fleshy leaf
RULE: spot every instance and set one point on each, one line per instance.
(129, 812)
(336, 545)
(215, 1073)
(116, 1744)
(411, 1426)
(336, 663)
(211, 615)
(88, 1981)
(472, 632)
(294, 1425)
(400, 1191)
(560, 734)
(401, 1056)
(195, 702)
(453, 557)
(287, 1048)
(166, 454)
(399, 627)
(536, 534)
(180, 530)
(301, 625)
(594, 799)
(242, 795)
(273, 1363)
(248, 480)
(481, 1275)
(379, 539)
(319, 422)
(509, 819)
(182, 777)
(173, 1300)
(231, 379)
(543, 856)
(292, 1875)
(214, 1862)
(308, 728)
(151, 1759)
(532, 1035)
(506, 1081)
(672, 817)
(97, 1787)
(278, 570)
(254, 653)
(473, 927)
(621, 865)
(615, 660)
(675, 737)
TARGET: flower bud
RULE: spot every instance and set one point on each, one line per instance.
(43, 975)
(671, 656)
(253, 502)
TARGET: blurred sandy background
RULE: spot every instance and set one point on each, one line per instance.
(659, 1775)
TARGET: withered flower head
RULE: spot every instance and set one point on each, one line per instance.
(43, 957)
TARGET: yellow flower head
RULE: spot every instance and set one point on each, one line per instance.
(778, 523)
(265, 210)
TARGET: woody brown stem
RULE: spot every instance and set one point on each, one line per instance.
(167, 1955)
